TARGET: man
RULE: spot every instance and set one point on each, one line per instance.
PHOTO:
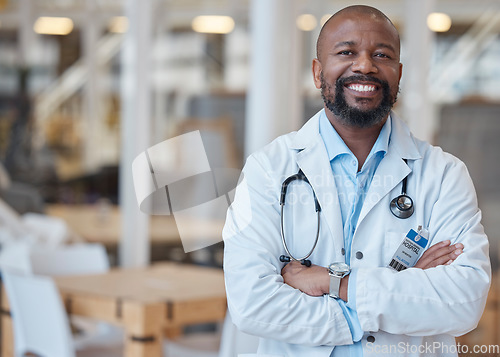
(358, 156)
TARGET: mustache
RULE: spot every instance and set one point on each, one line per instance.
(361, 78)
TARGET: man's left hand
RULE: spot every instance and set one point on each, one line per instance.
(313, 280)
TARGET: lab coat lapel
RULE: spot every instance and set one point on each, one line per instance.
(390, 172)
(312, 159)
(392, 169)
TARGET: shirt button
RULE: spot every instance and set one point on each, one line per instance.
(343, 251)
(370, 339)
(353, 162)
(359, 255)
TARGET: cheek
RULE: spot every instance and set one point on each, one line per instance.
(333, 70)
(392, 77)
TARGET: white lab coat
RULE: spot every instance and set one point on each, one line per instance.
(414, 312)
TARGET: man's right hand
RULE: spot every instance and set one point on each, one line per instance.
(441, 253)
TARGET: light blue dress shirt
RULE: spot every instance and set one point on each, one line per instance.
(352, 187)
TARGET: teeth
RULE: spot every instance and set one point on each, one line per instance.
(362, 88)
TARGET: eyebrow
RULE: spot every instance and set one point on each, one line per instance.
(352, 43)
(344, 43)
(386, 45)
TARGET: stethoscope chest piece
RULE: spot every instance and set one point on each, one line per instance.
(402, 206)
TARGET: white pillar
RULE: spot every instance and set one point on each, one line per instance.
(418, 108)
(274, 101)
(136, 129)
(92, 115)
(27, 36)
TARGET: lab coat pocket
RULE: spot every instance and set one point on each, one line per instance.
(391, 244)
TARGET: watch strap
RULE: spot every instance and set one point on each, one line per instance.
(334, 286)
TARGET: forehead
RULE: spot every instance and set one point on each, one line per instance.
(360, 28)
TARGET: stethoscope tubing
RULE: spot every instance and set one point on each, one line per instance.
(300, 177)
(284, 240)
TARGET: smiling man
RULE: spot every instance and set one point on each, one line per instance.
(374, 68)
(369, 290)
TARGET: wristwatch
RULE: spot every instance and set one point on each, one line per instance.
(337, 271)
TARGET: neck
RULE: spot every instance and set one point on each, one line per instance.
(359, 140)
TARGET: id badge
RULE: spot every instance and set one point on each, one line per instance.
(409, 250)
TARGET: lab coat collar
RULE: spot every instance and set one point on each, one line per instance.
(308, 135)
(402, 142)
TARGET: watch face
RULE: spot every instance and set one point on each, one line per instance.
(339, 268)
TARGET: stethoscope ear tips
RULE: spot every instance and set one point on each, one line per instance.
(402, 206)
(284, 259)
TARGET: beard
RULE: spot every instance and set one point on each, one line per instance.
(352, 116)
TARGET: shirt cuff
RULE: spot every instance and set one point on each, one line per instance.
(349, 308)
(351, 289)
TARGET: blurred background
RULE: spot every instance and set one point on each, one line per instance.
(87, 85)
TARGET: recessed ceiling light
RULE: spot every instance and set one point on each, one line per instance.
(438, 22)
(213, 24)
(53, 25)
(306, 22)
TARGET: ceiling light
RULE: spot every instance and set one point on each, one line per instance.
(438, 22)
(306, 22)
(213, 24)
(118, 24)
(53, 25)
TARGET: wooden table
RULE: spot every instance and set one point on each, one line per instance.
(145, 301)
(102, 224)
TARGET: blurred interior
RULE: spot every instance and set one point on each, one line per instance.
(77, 108)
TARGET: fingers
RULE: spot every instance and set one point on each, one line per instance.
(313, 280)
(294, 267)
(442, 253)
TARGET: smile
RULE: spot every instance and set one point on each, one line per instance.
(362, 87)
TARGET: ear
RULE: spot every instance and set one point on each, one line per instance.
(316, 70)
(400, 70)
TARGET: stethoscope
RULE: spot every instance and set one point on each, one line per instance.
(284, 258)
(401, 206)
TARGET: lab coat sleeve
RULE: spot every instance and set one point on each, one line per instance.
(259, 301)
(442, 300)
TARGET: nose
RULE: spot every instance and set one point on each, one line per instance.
(364, 65)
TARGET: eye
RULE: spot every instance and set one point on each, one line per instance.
(382, 55)
(345, 53)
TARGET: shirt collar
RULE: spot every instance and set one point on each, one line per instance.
(335, 146)
(382, 143)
